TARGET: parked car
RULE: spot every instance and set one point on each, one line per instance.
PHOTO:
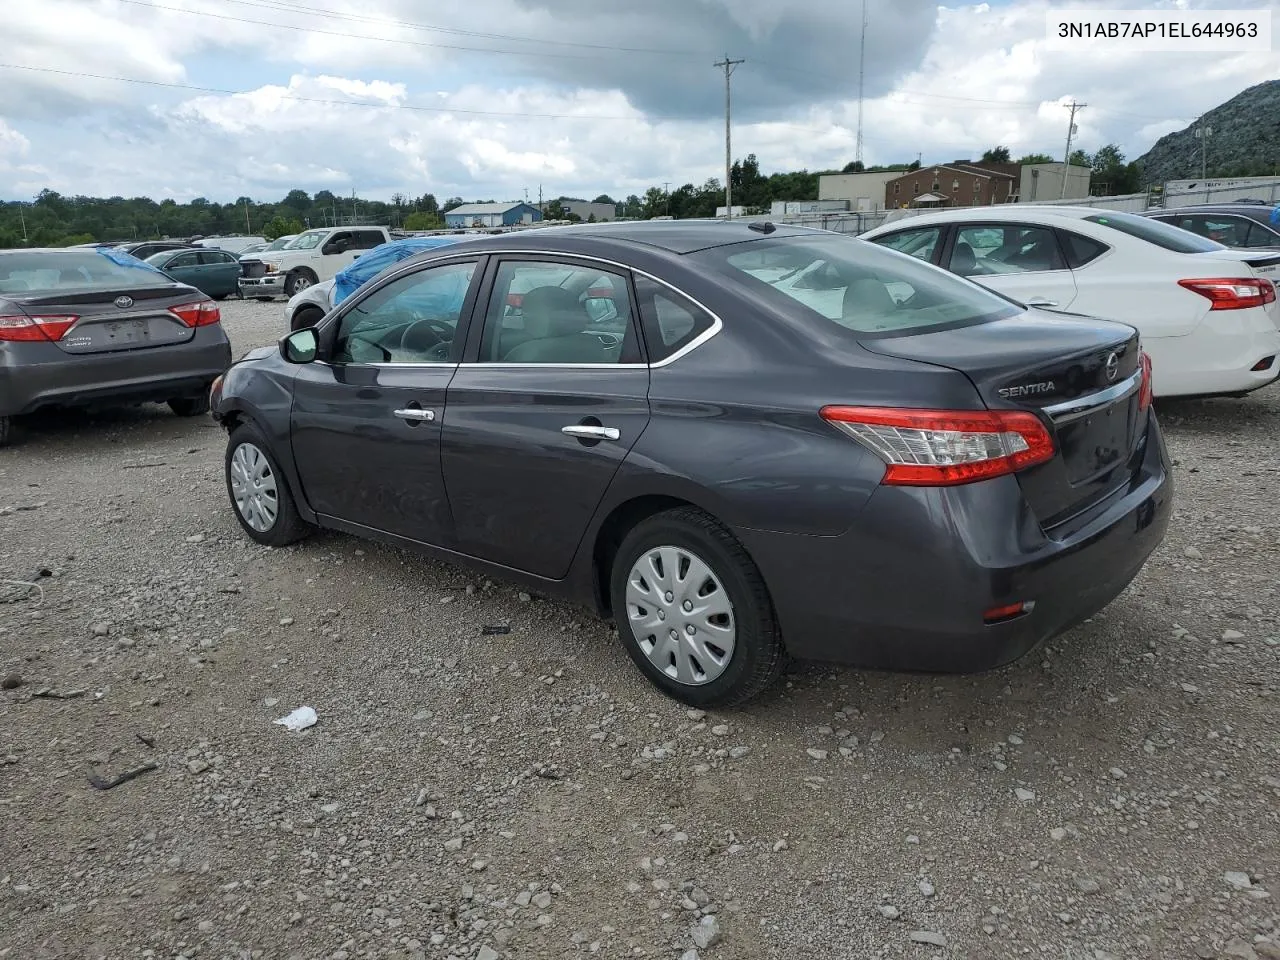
(1208, 314)
(309, 306)
(147, 248)
(236, 245)
(94, 327)
(644, 418)
(1241, 226)
(314, 255)
(279, 243)
(215, 272)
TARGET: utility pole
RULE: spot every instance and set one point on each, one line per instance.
(727, 65)
(23, 217)
(1066, 157)
(862, 59)
(247, 229)
(1203, 133)
(666, 195)
(353, 206)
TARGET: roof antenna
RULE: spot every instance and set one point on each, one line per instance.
(762, 226)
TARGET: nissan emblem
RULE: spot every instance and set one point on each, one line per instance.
(1113, 367)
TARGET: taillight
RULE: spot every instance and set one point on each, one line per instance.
(936, 448)
(1147, 390)
(20, 328)
(198, 314)
(1233, 294)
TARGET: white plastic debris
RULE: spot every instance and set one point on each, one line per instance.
(300, 719)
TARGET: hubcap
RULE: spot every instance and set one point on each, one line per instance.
(680, 615)
(253, 487)
(301, 282)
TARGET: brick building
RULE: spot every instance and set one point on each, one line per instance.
(952, 185)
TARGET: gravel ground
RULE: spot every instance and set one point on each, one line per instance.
(529, 795)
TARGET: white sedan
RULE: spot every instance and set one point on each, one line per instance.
(1208, 315)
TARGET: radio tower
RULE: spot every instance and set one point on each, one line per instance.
(862, 59)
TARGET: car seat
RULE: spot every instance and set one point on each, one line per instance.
(554, 330)
(963, 260)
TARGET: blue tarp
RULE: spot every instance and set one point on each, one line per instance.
(379, 258)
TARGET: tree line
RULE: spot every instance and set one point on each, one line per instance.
(56, 220)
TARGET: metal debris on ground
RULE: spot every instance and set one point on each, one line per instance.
(98, 783)
(48, 693)
(492, 630)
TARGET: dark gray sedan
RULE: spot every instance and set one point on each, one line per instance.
(89, 327)
(740, 441)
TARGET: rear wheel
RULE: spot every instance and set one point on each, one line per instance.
(264, 299)
(297, 281)
(693, 611)
(308, 317)
(219, 296)
(259, 493)
(190, 406)
(6, 431)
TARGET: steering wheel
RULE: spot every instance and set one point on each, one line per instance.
(429, 336)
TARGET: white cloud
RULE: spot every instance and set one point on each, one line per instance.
(380, 118)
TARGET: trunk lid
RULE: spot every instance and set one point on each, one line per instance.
(1081, 376)
(106, 322)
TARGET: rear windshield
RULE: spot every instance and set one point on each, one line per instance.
(43, 271)
(858, 285)
(1153, 231)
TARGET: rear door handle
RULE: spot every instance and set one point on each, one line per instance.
(588, 432)
(417, 415)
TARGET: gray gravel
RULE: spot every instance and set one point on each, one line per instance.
(528, 795)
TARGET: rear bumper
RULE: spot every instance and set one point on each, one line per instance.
(906, 588)
(38, 375)
(1218, 358)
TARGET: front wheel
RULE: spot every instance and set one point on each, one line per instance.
(259, 493)
(190, 406)
(693, 611)
(219, 296)
(298, 281)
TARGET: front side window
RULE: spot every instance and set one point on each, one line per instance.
(918, 243)
(1261, 236)
(857, 285)
(544, 312)
(216, 256)
(1153, 231)
(412, 320)
(182, 260)
(988, 250)
(368, 239)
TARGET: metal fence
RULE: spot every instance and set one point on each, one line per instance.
(1173, 194)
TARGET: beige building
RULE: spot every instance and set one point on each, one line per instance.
(1043, 181)
(863, 191)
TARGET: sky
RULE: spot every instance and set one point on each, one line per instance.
(496, 99)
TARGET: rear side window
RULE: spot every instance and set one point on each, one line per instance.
(1153, 231)
(671, 322)
(1261, 236)
(856, 285)
(1081, 250)
(76, 270)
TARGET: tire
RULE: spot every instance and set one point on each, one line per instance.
(757, 656)
(264, 299)
(6, 431)
(307, 317)
(190, 406)
(298, 280)
(219, 296)
(286, 526)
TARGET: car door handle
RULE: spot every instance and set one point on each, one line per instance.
(587, 432)
(417, 415)
(1041, 302)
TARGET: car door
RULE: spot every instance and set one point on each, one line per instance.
(185, 268)
(1021, 260)
(221, 271)
(366, 417)
(549, 399)
(338, 251)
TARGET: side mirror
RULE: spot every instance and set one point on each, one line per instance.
(301, 346)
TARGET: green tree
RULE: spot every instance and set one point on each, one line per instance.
(996, 155)
(297, 200)
(604, 198)
(554, 210)
(451, 203)
(1080, 159)
(1033, 158)
(427, 204)
(279, 226)
(854, 166)
(654, 203)
(421, 220)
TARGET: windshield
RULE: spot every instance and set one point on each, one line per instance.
(857, 285)
(282, 243)
(43, 271)
(1153, 231)
(309, 240)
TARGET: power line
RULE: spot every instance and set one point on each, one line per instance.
(728, 66)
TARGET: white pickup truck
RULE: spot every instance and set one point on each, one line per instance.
(314, 256)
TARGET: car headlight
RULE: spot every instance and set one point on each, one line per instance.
(271, 267)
